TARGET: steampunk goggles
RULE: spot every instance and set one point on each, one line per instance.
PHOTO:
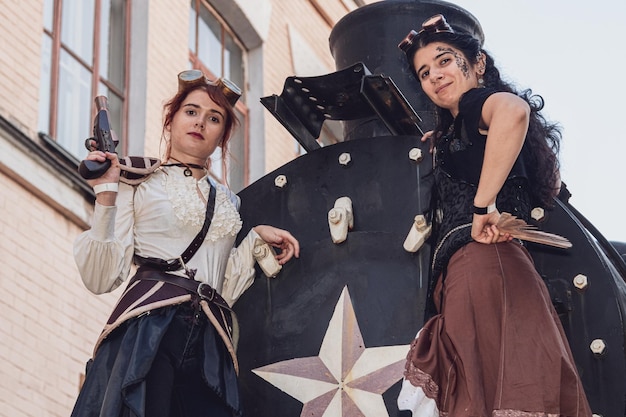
(435, 24)
(193, 77)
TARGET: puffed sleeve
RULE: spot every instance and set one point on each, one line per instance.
(240, 270)
(104, 253)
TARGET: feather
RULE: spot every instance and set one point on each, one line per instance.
(519, 229)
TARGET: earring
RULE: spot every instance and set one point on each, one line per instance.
(481, 82)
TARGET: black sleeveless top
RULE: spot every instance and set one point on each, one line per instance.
(458, 163)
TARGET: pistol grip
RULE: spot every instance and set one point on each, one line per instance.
(93, 169)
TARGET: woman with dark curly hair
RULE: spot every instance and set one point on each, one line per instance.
(494, 345)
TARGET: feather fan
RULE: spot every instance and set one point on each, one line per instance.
(519, 229)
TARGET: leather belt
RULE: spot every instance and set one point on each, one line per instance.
(159, 264)
(202, 289)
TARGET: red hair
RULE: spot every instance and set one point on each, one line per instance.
(215, 93)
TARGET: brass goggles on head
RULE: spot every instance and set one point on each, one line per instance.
(190, 78)
(435, 24)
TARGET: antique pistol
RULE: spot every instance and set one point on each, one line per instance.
(105, 141)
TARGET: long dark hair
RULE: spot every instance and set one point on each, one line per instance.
(215, 92)
(543, 139)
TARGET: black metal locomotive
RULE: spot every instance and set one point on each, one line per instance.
(329, 335)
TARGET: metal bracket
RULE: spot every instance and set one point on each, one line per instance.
(349, 94)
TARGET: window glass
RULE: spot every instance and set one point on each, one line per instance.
(112, 36)
(216, 164)
(233, 61)
(209, 42)
(73, 105)
(192, 29)
(105, 43)
(77, 29)
(48, 14)
(44, 87)
(237, 156)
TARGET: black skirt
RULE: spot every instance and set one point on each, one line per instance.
(115, 378)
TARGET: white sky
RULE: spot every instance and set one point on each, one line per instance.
(573, 53)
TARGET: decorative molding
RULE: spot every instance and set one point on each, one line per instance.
(46, 170)
(249, 19)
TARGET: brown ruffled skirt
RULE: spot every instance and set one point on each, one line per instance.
(497, 348)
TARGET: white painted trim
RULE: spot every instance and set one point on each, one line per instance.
(43, 181)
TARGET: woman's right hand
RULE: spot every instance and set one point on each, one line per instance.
(112, 175)
(484, 229)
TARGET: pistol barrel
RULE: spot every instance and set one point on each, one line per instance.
(101, 103)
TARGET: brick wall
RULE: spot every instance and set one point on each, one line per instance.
(19, 67)
(49, 321)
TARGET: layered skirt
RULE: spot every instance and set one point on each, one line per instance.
(115, 383)
(496, 348)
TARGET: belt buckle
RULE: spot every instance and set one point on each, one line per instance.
(199, 291)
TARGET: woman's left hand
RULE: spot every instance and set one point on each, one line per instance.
(484, 229)
(281, 239)
(428, 137)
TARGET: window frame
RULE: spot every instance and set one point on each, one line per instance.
(57, 47)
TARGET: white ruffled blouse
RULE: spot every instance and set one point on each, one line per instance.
(159, 218)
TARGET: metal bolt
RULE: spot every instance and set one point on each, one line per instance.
(420, 222)
(598, 346)
(538, 213)
(280, 181)
(334, 216)
(580, 281)
(345, 158)
(415, 154)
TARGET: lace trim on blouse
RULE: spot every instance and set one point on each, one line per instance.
(190, 208)
(226, 220)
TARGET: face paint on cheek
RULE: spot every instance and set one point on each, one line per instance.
(462, 64)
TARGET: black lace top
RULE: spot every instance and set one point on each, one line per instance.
(458, 163)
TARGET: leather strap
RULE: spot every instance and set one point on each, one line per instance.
(181, 262)
(197, 241)
(485, 210)
(202, 289)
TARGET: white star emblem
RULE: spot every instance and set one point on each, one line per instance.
(346, 379)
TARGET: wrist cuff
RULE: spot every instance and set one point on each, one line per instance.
(485, 210)
(107, 186)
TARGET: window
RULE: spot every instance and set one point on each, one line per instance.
(83, 56)
(215, 50)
